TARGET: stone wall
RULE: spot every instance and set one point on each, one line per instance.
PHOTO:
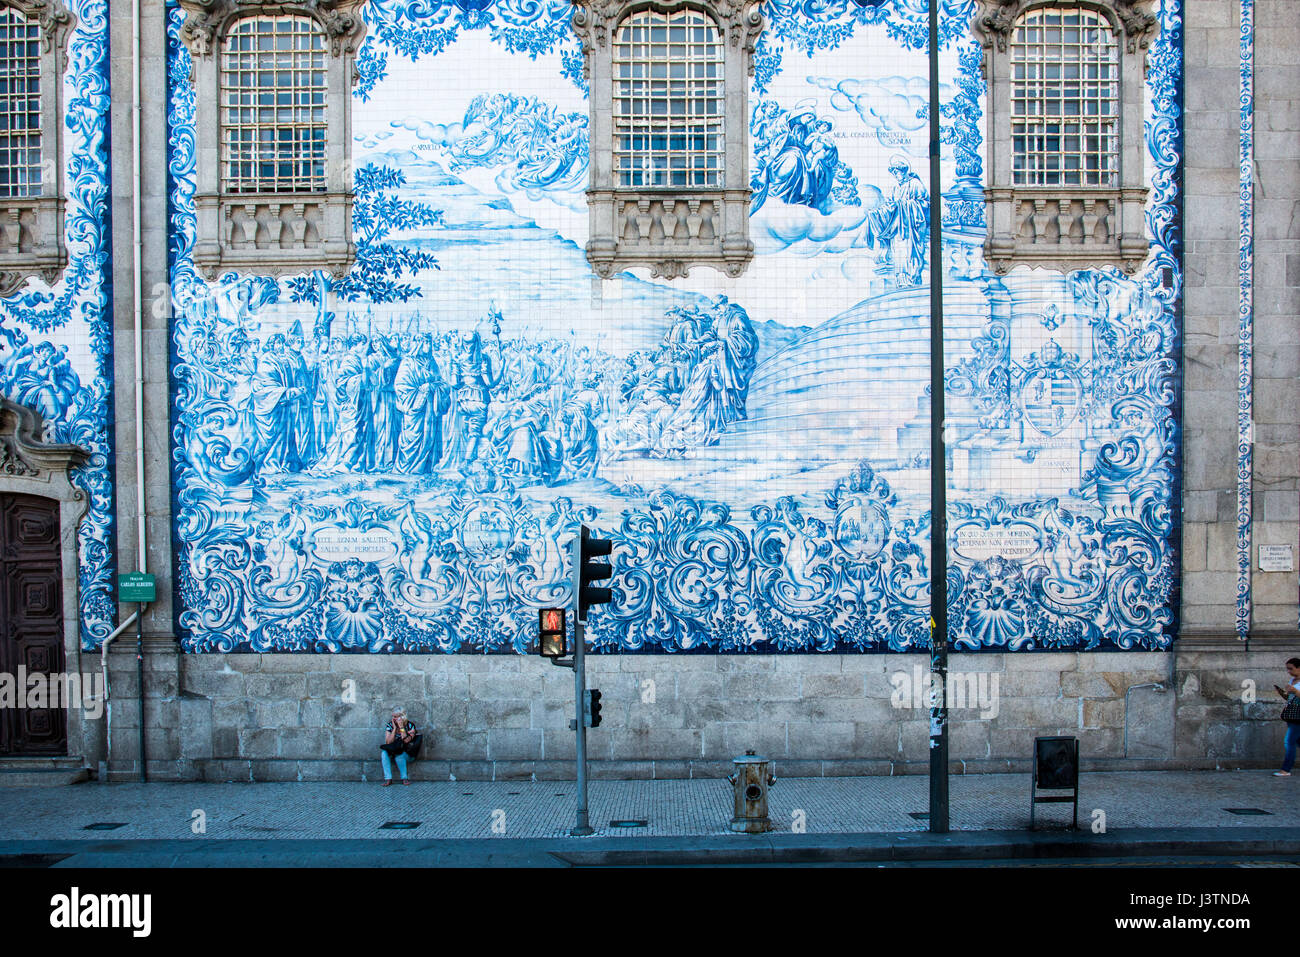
(314, 717)
(1212, 111)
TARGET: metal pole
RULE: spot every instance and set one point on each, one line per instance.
(139, 669)
(938, 473)
(582, 826)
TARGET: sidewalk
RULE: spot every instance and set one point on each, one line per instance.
(831, 808)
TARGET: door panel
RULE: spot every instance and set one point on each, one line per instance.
(31, 622)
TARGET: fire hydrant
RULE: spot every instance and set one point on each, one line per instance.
(750, 782)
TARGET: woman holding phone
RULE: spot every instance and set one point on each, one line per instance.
(398, 734)
(1290, 694)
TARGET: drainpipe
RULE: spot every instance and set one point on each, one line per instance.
(108, 706)
(138, 302)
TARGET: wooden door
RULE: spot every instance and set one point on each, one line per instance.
(31, 622)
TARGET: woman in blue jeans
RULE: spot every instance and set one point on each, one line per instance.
(1292, 739)
(398, 729)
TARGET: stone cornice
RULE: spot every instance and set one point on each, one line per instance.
(994, 19)
(23, 451)
(741, 21)
(55, 20)
(206, 21)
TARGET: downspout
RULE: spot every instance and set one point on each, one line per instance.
(108, 704)
(138, 303)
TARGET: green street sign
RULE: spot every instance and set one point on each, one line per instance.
(135, 586)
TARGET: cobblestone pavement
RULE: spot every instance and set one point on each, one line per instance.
(478, 809)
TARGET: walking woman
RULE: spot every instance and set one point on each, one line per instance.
(1291, 714)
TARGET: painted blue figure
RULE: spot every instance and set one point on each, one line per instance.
(329, 353)
(302, 371)
(43, 379)
(556, 161)
(699, 418)
(740, 347)
(823, 163)
(798, 160)
(346, 449)
(422, 399)
(789, 174)
(580, 434)
(385, 422)
(531, 449)
(275, 407)
(473, 379)
(901, 224)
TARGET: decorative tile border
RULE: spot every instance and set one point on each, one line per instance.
(73, 318)
(1245, 317)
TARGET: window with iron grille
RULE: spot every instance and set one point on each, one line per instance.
(1064, 99)
(20, 105)
(33, 58)
(272, 130)
(273, 120)
(1066, 183)
(669, 122)
(669, 186)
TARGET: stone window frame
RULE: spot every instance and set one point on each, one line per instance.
(668, 229)
(284, 233)
(31, 227)
(1066, 227)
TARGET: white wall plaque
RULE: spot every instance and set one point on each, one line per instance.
(1276, 558)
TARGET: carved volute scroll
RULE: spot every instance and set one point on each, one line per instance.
(23, 446)
(994, 20)
(206, 21)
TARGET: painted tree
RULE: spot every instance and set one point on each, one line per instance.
(383, 269)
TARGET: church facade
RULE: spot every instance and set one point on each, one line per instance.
(374, 303)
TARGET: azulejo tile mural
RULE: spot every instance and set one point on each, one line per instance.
(396, 461)
(56, 348)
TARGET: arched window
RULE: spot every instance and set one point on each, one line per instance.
(33, 54)
(273, 123)
(273, 128)
(1064, 99)
(669, 186)
(1066, 177)
(669, 117)
(20, 105)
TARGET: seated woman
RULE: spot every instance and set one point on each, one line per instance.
(399, 735)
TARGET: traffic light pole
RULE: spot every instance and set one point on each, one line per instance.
(582, 826)
(938, 473)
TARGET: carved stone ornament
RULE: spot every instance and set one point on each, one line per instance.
(994, 19)
(595, 21)
(207, 20)
(55, 20)
(23, 451)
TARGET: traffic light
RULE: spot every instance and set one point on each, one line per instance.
(551, 641)
(592, 571)
(593, 708)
